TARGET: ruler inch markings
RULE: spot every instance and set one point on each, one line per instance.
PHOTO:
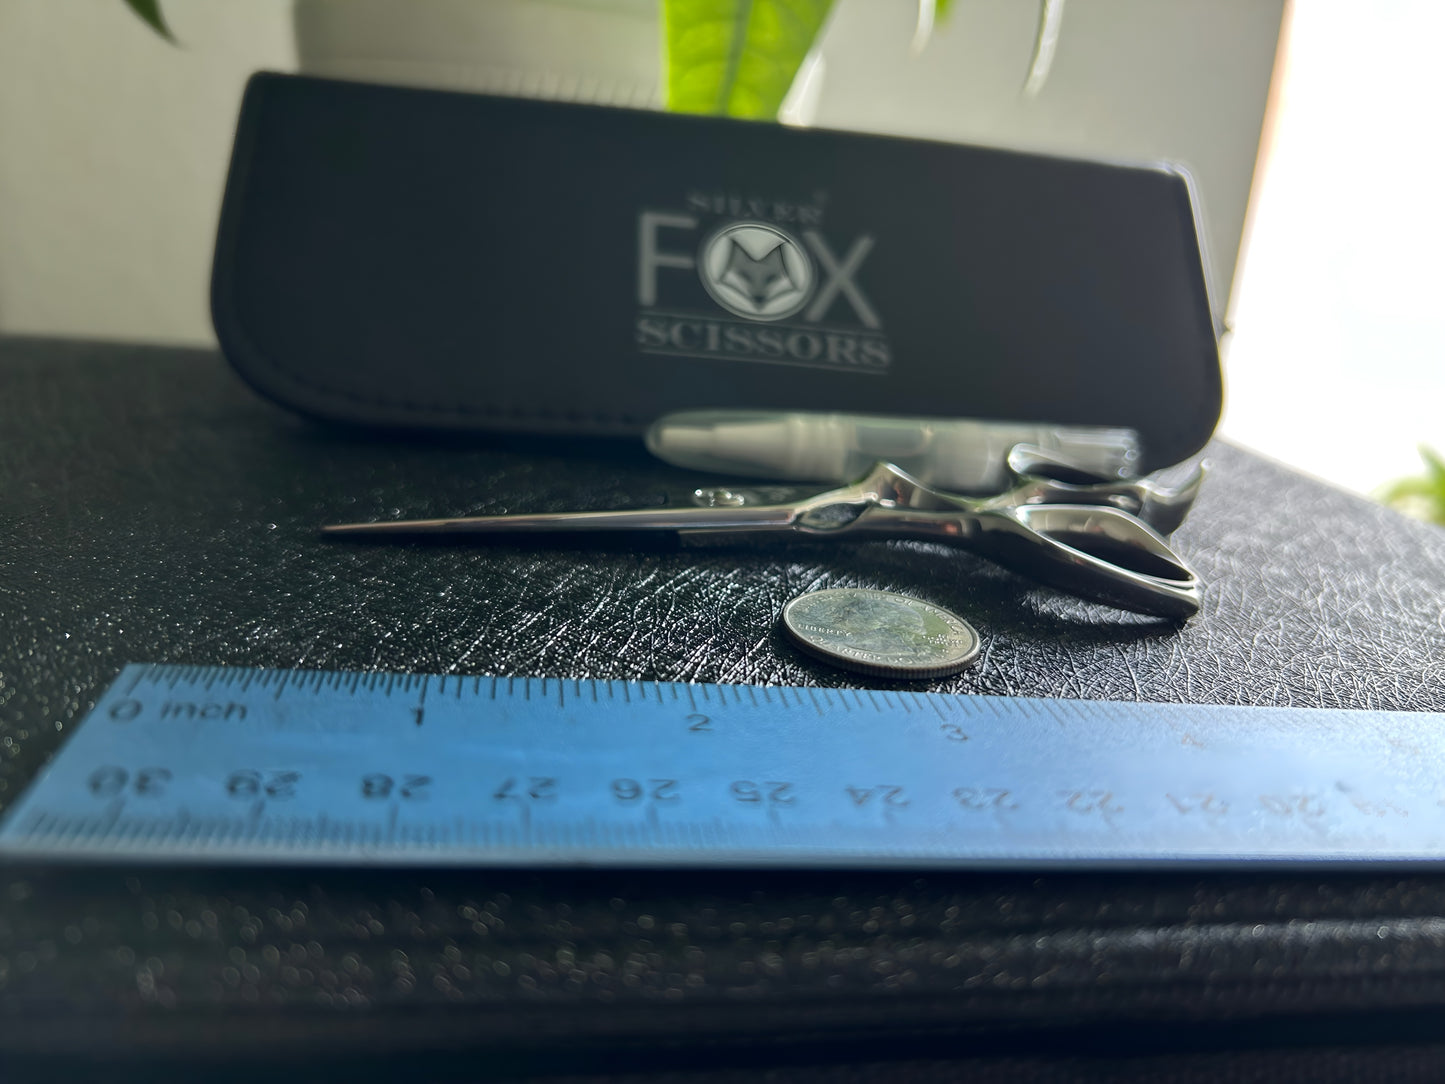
(1087, 783)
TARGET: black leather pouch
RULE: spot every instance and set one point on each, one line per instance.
(424, 259)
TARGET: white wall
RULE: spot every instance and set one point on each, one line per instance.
(1337, 363)
(113, 151)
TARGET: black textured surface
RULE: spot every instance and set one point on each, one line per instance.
(152, 509)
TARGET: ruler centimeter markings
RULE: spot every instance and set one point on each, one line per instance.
(211, 764)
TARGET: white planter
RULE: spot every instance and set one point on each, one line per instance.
(604, 51)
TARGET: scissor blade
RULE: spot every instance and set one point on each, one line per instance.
(641, 519)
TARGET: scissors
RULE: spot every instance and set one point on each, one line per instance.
(1100, 539)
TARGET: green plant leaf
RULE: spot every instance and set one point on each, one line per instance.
(736, 57)
(150, 11)
(1421, 495)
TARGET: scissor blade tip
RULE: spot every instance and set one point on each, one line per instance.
(355, 528)
(400, 526)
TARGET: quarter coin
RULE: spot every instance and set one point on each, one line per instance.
(880, 633)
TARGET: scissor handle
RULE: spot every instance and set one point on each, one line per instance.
(1095, 552)
(1161, 499)
(1098, 553)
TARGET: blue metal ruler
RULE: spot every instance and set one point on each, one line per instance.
(211, 765)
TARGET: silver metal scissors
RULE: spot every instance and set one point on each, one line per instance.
(1096, 538)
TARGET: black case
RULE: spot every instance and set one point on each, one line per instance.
(412, 258)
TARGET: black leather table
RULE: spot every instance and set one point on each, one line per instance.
(152, 508)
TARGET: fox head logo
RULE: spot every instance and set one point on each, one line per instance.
(761, 280)
(756, 270)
